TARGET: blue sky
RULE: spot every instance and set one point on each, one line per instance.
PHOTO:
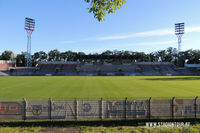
(140, 25)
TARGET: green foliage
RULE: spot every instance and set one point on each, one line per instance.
(20, 59)
(168, 55)
(100, 8)
(19, 129)
(54, 55)
(102, 129)
(39, 56)
(7, 55)
(140, 129)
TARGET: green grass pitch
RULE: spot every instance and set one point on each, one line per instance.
(92, 87)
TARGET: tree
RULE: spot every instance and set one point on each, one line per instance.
(7, 55)
(151, 57)
(39, 56)
(63, 56)
(54, 55)
(171, 54)
(140, 57)
(100, 8)
(20, 59)
(80, 55)
(193, 56)
(161, 54)
(69, 55)
(107, 52)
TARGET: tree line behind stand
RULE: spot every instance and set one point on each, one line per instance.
(169, 55)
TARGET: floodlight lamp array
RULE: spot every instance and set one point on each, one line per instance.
(29, 24)
(179, 28)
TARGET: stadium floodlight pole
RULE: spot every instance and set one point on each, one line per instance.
(29, 27)
(179, 31)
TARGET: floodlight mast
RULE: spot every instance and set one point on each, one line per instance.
(179, 31)
(29, 27)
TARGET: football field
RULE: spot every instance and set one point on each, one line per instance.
(93, 87)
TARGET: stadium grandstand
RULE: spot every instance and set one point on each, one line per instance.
(99, 69)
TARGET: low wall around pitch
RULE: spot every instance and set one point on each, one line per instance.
(99, 109)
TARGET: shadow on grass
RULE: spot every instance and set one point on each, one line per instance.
(171, 78)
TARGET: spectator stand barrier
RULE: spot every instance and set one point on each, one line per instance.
(100, 109)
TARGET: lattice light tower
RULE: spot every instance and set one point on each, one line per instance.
(29, 27)
(179, 31)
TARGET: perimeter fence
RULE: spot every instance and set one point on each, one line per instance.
(99, 109)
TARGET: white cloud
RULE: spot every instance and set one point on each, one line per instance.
(151, 33)
(192, 29)
(160, 32)
(156, 43)
(69, 42)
